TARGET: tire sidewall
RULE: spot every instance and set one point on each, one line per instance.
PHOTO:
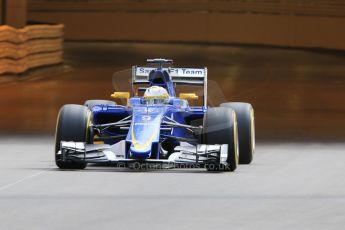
(246, 129)
(220, 127)
(72, 125)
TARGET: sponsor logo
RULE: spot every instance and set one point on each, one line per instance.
(174, 72)
(143, 124)
(146, 118)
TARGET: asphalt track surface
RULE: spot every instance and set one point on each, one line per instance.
(289, 186)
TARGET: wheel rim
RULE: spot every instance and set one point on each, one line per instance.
(88, 123)
(236, 140)
(252, 130)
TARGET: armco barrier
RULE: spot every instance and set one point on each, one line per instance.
(29, 47)
(288, 23)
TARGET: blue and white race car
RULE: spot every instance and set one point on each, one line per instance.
(158, 128)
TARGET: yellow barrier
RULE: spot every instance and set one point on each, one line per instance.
(29, 47)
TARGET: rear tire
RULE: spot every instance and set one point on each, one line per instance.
(220, 127)
(72, 125)
(92, 103)
(246, 129)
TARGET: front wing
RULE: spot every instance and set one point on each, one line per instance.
(200, 155)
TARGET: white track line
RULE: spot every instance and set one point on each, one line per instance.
(21, 180)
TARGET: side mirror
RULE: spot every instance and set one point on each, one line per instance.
(121, 95)
(188, 96)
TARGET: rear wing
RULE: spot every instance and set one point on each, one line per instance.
(179, 76)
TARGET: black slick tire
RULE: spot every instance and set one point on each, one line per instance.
(246, 129)
(72, 125)
(220, 127)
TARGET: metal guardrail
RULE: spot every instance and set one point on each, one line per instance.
(334, 8)
(29, 47)
(289, 23)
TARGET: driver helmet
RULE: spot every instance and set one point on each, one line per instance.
(156, 95)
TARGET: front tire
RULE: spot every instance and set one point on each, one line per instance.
(246, 129)
(220, 127)
(72, 125)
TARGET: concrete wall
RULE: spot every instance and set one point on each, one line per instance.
(1, 12)
(13, 12)
(317, 23)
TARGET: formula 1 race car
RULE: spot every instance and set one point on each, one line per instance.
(158, 128)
